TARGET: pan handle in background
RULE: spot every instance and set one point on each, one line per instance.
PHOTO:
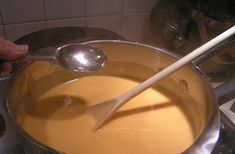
(225, 91)
(215, 50)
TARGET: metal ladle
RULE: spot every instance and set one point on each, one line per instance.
(75, 57)
(101, 112)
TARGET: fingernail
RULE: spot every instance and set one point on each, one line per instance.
(23, 47)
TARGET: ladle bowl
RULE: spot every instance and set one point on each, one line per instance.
(82, 58)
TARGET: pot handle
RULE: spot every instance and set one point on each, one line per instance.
(9, 138)
(2, 126)
(215, 50)
(3, 82)
(3, 90)
(226, 91)
(5, 77)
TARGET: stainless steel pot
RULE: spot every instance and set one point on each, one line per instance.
(130, 60)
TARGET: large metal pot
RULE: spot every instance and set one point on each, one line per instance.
(130, 60)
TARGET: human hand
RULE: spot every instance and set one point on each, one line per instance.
(10, 51)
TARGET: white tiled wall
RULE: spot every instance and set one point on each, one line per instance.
(135, 25)
(104, 7)
(128, 18)
(15, 31)
(1, 18)
(14, 11)
(138, 5)
(81, 22)
(1, 26)
(112, 22)
(57, 9)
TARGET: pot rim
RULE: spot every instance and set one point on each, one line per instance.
(205, 143)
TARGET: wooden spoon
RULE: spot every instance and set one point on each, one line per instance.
(101, 112)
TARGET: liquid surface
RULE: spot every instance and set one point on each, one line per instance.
(153, 122)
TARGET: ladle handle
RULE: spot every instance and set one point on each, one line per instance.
(45, 54)
(33, 57)
(29, 57)
(175, 66)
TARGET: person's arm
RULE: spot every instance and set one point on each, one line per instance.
(10, 51)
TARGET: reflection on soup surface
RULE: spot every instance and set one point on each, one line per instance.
(153, 122)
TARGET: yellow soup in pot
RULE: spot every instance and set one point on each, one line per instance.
(152, 122)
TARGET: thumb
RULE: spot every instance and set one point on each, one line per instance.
(13, 52)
